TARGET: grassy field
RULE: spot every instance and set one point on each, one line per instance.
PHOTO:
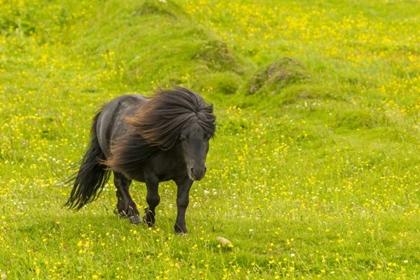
(314, 172)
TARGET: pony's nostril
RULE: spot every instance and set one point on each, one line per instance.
(192, 170)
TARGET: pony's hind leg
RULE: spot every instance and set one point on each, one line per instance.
(126, 207)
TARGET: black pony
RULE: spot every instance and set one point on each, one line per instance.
(151, 140)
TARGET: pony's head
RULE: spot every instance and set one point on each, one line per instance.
(178, 118)
(194, 146)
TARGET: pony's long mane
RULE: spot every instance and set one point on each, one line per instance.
(158, 124)
(161, 120)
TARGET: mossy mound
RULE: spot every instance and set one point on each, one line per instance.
(275, 76)
(157, 45)
(216, 55)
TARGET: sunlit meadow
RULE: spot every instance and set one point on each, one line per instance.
(316, 180)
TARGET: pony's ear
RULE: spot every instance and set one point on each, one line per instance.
(211, 108)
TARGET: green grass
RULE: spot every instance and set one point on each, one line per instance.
(314, 170)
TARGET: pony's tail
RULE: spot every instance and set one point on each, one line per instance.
(92, 176)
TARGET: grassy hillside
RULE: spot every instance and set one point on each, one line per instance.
(314, 170)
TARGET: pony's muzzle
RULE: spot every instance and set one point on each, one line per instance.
(196, 174)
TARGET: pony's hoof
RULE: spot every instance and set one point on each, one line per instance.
(180, 231)
(135, 219)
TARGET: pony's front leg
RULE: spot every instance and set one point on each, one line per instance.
(152, 199)
(182, 202)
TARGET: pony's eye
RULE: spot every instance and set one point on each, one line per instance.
(182, 138)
